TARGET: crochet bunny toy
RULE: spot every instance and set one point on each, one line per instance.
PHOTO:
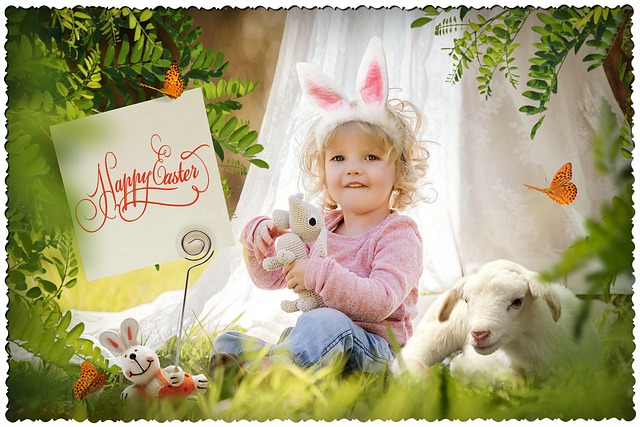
(306, 224)
(141, 366)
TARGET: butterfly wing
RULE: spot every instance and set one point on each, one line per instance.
(89, 382)
(564, 194)
(173, 85)
(562, 177)
(561, 190)
(173, 81)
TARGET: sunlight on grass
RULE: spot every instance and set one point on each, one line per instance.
(283, 391)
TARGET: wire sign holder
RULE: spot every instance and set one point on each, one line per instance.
(196, 244)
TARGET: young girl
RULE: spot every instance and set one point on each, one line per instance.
(364, 161)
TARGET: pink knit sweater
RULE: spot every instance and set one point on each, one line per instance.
(372, 277)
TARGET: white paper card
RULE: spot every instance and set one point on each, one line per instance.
(137, 179)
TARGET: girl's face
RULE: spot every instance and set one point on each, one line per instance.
(359, 174)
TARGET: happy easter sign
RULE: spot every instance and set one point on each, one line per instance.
(137, 179)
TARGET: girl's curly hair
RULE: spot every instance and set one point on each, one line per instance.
(411, 156)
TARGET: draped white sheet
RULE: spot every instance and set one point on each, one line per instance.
(481, 156)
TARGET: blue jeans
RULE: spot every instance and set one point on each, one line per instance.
(320, 337)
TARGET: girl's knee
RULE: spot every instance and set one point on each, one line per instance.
(225, 341)
(237, 343)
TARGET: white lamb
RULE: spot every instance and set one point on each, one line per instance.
(507, 324)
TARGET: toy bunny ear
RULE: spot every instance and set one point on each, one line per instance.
(112, 342)
(372, 83)
(320, 88)
(129, 332)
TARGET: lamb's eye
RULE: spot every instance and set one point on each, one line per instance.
(312, 221)
(516, 303)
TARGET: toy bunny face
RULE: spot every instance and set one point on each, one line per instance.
(305, 219)
(139, 363)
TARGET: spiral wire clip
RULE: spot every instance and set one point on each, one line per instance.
(196, 244)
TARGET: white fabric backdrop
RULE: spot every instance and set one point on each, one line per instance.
(481, 156)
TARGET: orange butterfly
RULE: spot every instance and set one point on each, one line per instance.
(89, 382)
(173, 82)
(561, 190)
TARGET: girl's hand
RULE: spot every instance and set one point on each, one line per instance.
(294, 274)
(263, 239)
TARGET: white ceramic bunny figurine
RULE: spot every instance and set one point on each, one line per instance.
(141, 366)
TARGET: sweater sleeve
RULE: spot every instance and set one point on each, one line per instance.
(395, 270)
(261, 278)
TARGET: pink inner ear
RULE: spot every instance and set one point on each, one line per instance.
(129, 334)
(113, 343)
(325, 98)
(372, 87)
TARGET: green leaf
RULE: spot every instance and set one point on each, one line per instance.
(75, 332)
(528, 109)
(62, 89)
(46, 343)
(253, 150)
(124, 50)
(421, 22)
(146, 15)
(34, 292)
(239, 133)
(218, 149)
(260, 163)
(535, 96)
(136, 53)
(535, 128)
(64, 323)
(48, 286)
(228, 127)
(217, 124)
(546, 18)
(248, 139)
(199, 60)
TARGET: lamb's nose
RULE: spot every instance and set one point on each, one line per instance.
(132, 356)
(480, 336)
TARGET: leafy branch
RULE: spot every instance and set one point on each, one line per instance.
(491, 41)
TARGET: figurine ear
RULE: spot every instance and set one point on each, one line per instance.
(129, 332)
(320, 88)
(372, 83)
(112, 342)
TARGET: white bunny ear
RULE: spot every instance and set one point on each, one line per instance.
(129, 332)
(372, 83)
(112, 342)
(320, 88)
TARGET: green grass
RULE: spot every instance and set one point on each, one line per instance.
(287, 392)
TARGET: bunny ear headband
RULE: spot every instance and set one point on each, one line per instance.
(372, 89)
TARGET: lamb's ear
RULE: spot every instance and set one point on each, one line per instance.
(129, 332)
(372, 83)
(112, 342)
(452, 298)
(539, 290)
(320, 89)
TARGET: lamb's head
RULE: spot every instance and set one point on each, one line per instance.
(502, 301)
